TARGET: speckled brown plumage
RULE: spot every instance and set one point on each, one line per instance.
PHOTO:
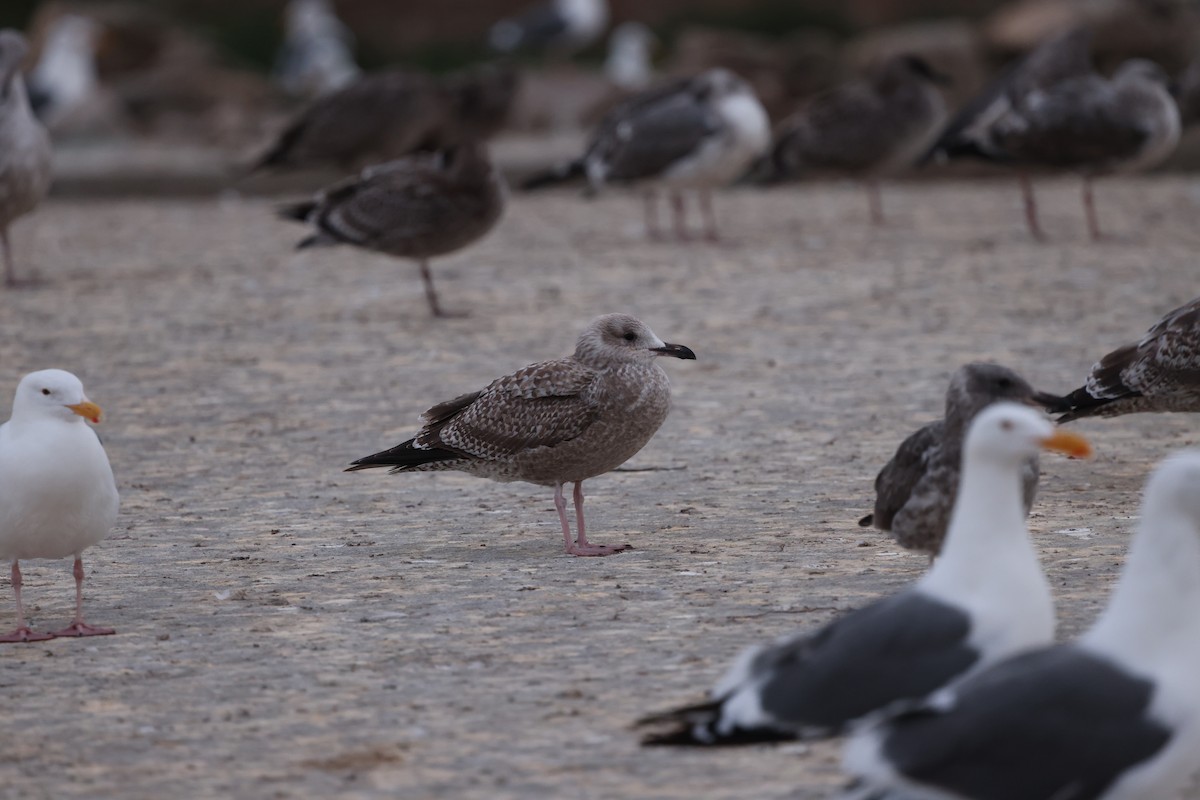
(915, 490)
(418, 207)
(1159, 372)
(553, 422)
(24, 147)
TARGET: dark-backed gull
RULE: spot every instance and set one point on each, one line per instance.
(984, 599)
(1113, 716)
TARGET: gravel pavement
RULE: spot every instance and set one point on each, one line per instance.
(287, 630)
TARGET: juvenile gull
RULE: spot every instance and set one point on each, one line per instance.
(380, 116)
(553, 422)
(984, 599)
(24, 147)
(693, 133)
(564, 26)
(418, 207)
(387, 115)
(1159, 372)
(1076, 121)
(1114, 716)
(869, 128)
(914, 492)
(57, 494)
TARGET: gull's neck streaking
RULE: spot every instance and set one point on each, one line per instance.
(987, 537)
(1154, 614)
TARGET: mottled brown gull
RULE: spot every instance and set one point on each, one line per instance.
(869, 128)
(1073, 120)
(1159, 372)
(915, 490)
(24, 147)
(554, 422)
(417, 207)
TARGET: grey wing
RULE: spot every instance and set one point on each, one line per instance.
(902, 647)
(922, 522)
(650, 136)
(1077, 122)
(542, 405)
(899, 477)
(1054, 724)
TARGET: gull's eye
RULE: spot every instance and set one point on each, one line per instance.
(630, 336)
(1006, 425)
(45, 391)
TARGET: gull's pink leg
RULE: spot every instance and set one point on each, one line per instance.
(583, 547)
(650, 199)
(875, 201)
(79, 627)
(1089, 210)
(22, 633)
(1031, 217)
(680, 216)
(710, 219)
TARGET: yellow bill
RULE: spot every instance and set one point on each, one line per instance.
(1070, 443)
(87, 410)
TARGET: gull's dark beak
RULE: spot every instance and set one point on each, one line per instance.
(675, 350)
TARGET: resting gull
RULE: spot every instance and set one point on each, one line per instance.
(1159, 372)
(1081, 122)
(57, 494)
(418, 207)
(914, 492)
(984, 599)
(553, 422)
(24, 147)
(564, 26)
(693, 133)
(387, 115)
(867, 128)
(1113, 716)
(316, 56)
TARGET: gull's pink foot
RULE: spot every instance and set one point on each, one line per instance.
(83, 629)
(23, 634)
(597, 549)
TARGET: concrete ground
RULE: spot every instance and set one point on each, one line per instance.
(286, 630)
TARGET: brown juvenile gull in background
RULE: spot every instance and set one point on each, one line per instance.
(553, 422)
(24, 147)
(866, 128)
(1080, 122)
(1159, 372)
(693, 133)
(387, 115)
(915, 491)
(418, 207)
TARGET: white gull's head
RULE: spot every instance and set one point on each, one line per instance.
(52, 394)
(1007, 434)
(621, 339)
